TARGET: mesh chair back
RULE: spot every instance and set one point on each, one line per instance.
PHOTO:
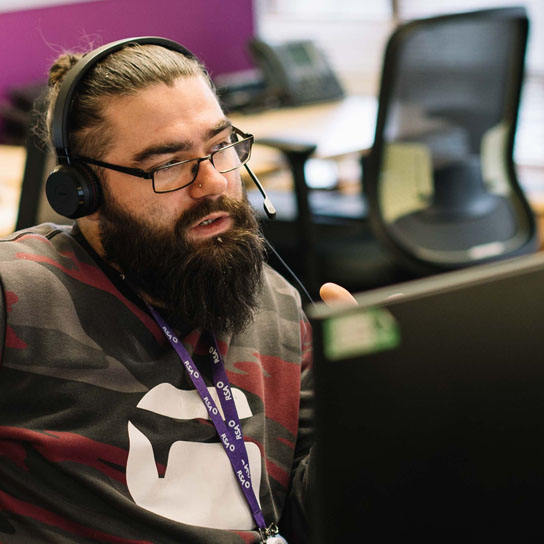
(440, 180)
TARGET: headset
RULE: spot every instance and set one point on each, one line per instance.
(72, 188)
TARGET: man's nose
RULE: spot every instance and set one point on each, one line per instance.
(208, 182)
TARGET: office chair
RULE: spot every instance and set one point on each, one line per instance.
(324, 235)
(439, 182)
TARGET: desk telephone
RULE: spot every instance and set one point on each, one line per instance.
(295, 72)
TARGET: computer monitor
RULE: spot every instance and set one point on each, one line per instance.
(430, 409)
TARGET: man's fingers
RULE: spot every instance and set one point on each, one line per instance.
(332, 294)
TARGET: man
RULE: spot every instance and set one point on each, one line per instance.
(154, 381)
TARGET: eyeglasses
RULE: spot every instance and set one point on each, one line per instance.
(175, 176)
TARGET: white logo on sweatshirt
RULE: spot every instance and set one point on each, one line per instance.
(199, 486)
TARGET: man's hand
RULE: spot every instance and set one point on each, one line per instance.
(334, 295)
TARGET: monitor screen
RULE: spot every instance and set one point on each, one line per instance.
(430, 409)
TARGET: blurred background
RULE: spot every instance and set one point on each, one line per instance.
(347, 36)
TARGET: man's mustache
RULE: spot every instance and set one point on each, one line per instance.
(208, 205)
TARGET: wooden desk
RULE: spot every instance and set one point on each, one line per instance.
(12, 164)
(337, 128)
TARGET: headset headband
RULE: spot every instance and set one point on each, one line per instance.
(63, 102)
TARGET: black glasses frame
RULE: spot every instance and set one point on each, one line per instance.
(150, 174)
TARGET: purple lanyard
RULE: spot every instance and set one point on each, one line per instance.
(230, 432)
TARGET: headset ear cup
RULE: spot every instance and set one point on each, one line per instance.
(73, 190)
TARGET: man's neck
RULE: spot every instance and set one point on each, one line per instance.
(89, 227)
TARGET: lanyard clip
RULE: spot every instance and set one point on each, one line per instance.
(270, 531)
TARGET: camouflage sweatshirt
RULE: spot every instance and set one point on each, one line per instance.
(103, 437)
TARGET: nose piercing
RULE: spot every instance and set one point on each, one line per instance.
(200, 185)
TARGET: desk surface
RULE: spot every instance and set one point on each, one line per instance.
(337, 128)
(12, 164)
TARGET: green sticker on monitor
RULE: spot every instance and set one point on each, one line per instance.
(363, 331)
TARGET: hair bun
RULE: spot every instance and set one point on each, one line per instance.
(60, 67)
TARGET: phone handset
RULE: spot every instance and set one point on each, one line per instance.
(295, 72)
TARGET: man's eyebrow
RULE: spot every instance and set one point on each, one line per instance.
(175, 147)
(161, 149)
(220, 127)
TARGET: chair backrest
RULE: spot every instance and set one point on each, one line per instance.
(440, 180)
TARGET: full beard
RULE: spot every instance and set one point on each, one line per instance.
(213, 283)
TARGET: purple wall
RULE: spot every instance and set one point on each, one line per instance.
(215, 30)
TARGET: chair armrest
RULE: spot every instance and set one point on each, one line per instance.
(297, 153)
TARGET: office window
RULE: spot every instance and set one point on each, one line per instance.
(410, 9)
(353, 34)
(530, 135)
(18, 5)
(320, 19)
(319, 8)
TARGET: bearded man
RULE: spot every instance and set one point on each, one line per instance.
(155, 372)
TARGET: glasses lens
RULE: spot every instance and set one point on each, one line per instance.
(174, 176)
(232, 156)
